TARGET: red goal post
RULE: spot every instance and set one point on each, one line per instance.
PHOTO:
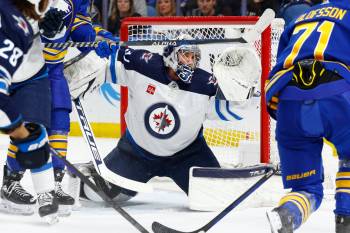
(137, 28)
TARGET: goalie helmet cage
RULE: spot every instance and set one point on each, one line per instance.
(213, 27)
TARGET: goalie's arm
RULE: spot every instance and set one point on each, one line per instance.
(223, 110)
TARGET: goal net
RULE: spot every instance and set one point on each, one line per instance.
(226, 139)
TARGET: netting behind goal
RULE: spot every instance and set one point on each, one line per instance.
(225, 138)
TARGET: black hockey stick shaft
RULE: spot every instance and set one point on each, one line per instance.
(88, 134)
(99, 192)
(160, 228)
(92, 44)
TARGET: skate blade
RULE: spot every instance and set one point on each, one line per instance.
(64, 210)
(51, 219)
(16, 209)
(274, 220)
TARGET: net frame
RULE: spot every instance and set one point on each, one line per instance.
(265, 52)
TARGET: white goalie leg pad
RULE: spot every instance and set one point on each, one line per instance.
(86, 74)
(213, 189)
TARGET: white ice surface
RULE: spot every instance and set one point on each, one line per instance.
(166, 205)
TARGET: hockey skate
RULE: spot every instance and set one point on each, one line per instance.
(48, 207)
(280, 220)
(65, 201)
(14, 199)
(342, 224)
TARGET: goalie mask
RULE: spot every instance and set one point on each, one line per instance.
(183, 59)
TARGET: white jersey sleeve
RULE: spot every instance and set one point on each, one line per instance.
(232, 111)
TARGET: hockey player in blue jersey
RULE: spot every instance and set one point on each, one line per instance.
(308, 93)
(25, 108)
(169, 99)
(78, 27)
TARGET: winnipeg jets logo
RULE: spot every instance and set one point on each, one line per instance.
(146, 56)
(212, 80)
(162, 120)
(22, 24)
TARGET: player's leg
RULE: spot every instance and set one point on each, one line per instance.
(197, 154)
(126, 161)
(339, 116)
(58, 134)
(33, 97)
(299, 133)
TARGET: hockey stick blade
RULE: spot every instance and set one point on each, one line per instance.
(99, 192)
(160, 228)
(264, 21)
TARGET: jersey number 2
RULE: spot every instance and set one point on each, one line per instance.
(325, 29)
(14, 55)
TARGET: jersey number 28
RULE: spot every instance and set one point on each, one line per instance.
(10, 52)
(324, 28)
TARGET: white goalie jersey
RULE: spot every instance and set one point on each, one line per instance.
(165, 116)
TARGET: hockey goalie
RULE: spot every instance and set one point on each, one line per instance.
(169, 99)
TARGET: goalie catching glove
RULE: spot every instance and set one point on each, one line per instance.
(237, 71)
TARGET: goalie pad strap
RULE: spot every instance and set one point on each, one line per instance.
(224, 173)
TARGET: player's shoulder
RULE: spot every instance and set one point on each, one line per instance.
(14, 26)
(202, 75)
(203, 82)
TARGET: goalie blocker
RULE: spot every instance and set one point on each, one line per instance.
(213, 189)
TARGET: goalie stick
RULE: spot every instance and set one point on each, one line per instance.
(96, 157)
(249, 36)
(99, 192)
(160, 228)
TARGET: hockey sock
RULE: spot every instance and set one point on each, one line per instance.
(43, 178)
(300, 205)
(11, 162)
(59, 141)
(342, 195)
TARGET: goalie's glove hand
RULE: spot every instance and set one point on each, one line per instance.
(33, 151)
(105, 49)
(53, 23)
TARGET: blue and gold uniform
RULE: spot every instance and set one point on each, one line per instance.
(308, 93)
(78, 27)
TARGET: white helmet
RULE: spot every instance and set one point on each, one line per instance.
(171, 58)
(36, 4)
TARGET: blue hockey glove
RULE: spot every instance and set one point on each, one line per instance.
(52, 23)
(100, 32)
(33, 151)
(103, 49)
